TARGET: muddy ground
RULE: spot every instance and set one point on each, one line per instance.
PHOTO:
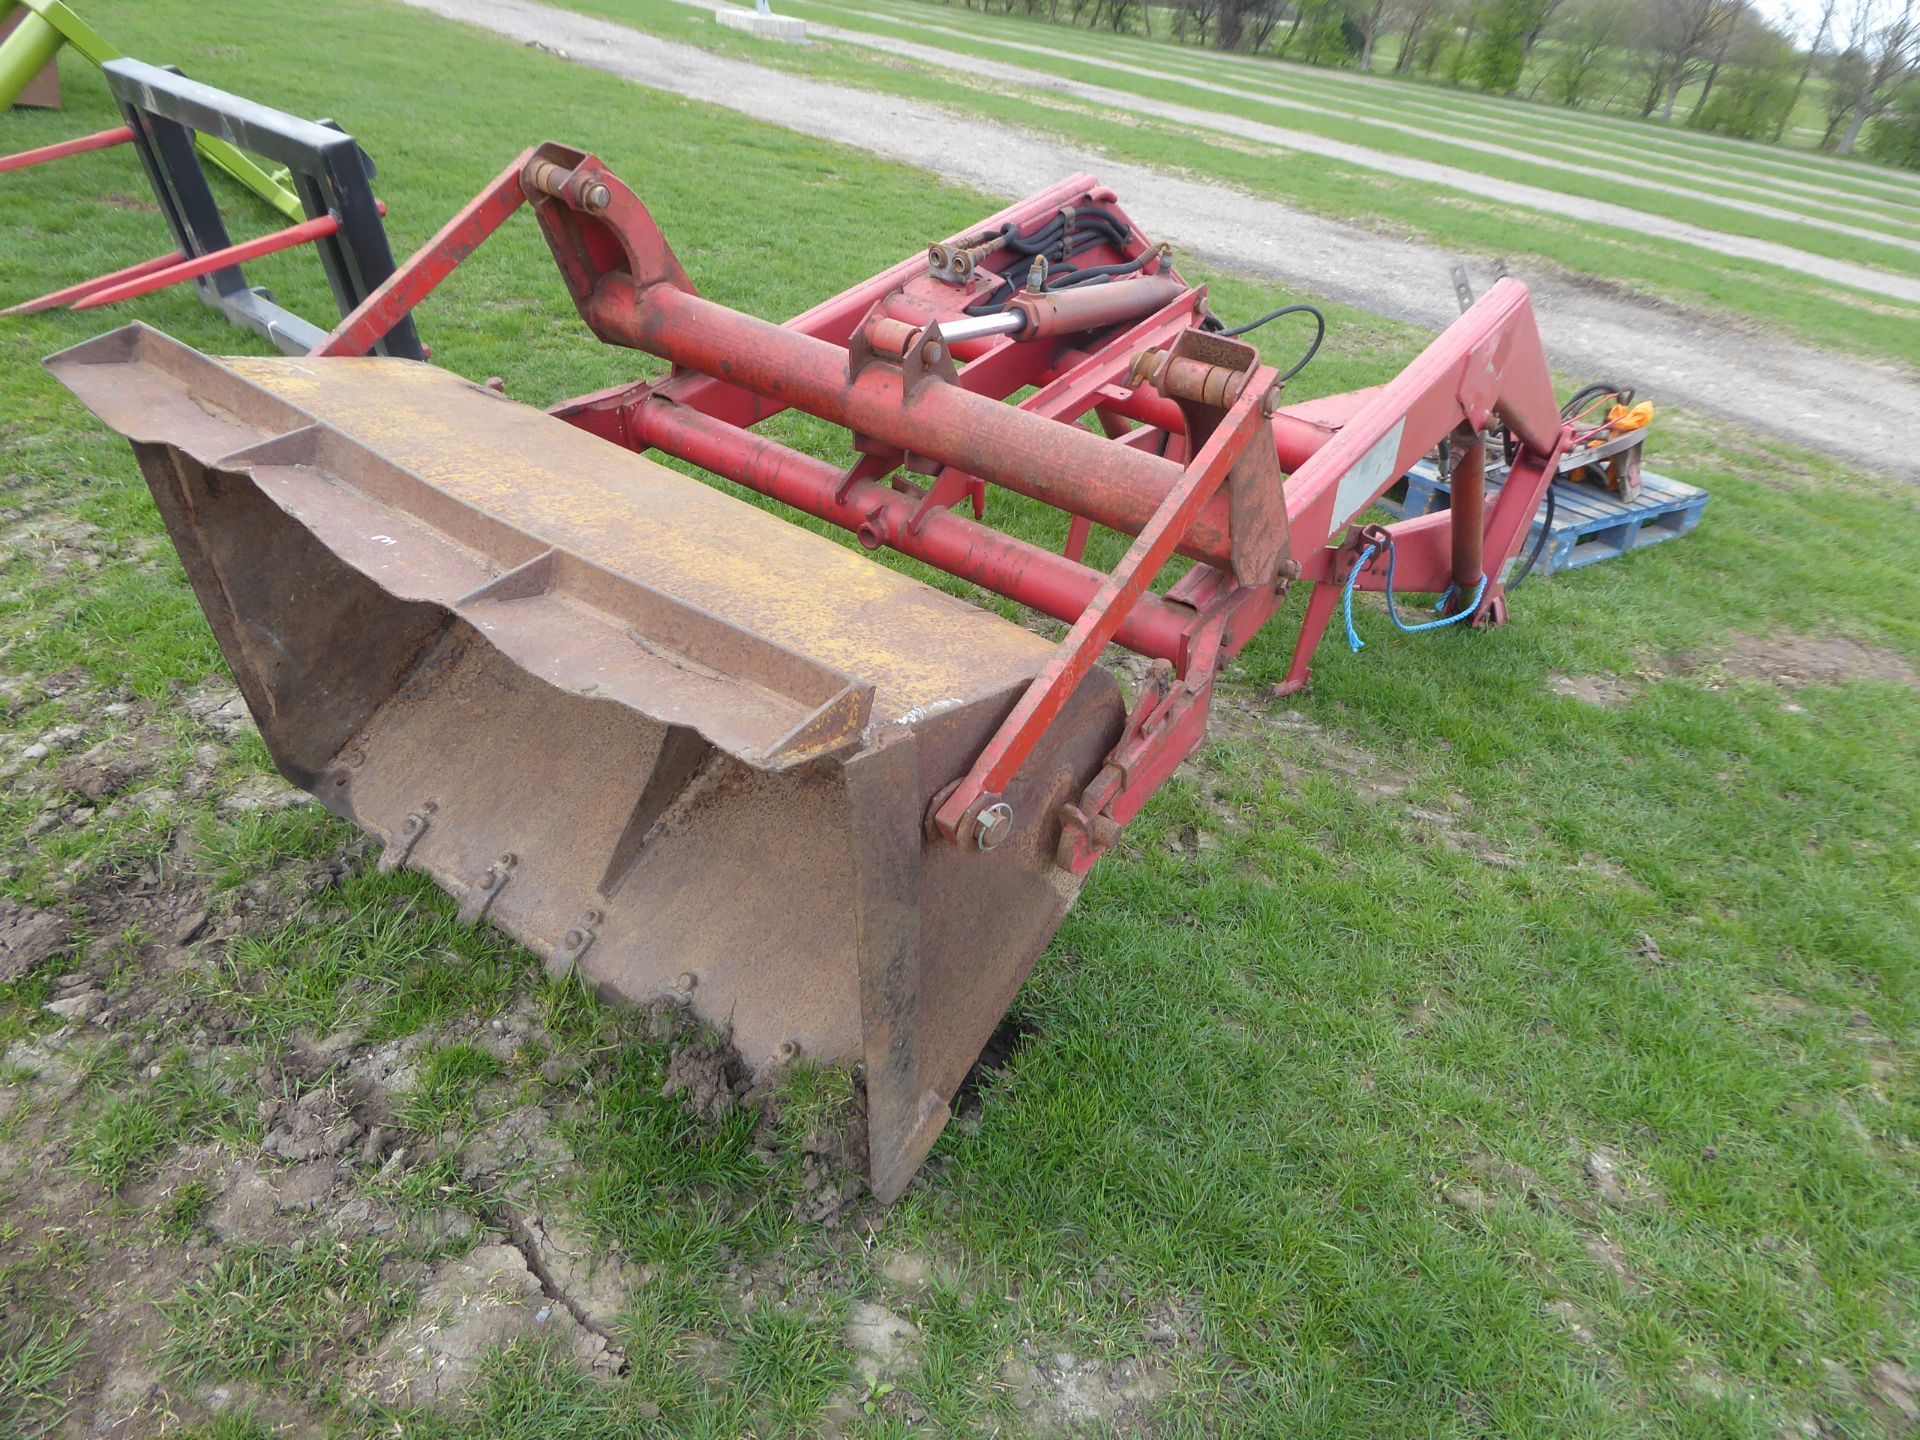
(197, 1185)
(206, 1211)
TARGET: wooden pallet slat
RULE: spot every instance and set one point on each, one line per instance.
(1589, 525)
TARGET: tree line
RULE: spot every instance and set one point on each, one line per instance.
(1716, 65)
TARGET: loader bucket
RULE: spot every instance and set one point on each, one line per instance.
(666, 739)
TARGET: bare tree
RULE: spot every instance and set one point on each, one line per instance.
(1820, 33)
(1419, 15)
(1745, 26)
(1681, 38)
(1884, 46)
(1543, 14)
(1586, 36)
(1372, 16)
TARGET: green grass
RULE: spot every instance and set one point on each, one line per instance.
(444, 1095)
(274, 1312)
(1809, 309)
(1266, 1068)
(1342, 111)
(131, 1123)
(386, 956)
(180, 1216)
(1618, 109)
(34, 1366)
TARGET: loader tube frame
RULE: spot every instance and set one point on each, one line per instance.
(1199, 458)
(330, 173)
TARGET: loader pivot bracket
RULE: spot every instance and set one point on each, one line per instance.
(1204, 374)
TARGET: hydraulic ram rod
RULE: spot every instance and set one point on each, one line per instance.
(1061, 465)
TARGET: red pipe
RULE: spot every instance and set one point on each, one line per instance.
(1296, 439)
(1038, 578)
(433, 262)
(1467, 504)
(305, 233)
(88, 287)
(103, 140)
(1061, 465)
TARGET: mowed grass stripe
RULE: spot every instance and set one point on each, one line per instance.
(1815, 240)
(1896, 212)
(1623, 134)
(1750, 292)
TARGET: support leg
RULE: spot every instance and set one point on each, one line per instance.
(1314, 625)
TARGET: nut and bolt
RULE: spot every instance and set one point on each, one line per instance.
(994, 824)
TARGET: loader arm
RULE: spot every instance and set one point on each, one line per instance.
(876, 360)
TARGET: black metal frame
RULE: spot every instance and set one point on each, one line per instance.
(330, 172)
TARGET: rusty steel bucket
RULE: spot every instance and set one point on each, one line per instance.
(665, 738)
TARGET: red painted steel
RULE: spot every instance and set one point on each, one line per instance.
(830, 320)
(739, 700)
(1467, 531)
(1038, 578)
(858, 361)
(101, 140)
(1151, 549)
(394, 300)
(89, 287)
(305, 233)
(1062, 465)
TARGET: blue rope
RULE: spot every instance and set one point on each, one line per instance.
(1393, 611)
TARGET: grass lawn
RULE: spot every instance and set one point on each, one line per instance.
(1615, 93)
(1813, 310)
(1511, 1036)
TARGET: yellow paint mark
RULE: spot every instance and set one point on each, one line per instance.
(636, 518)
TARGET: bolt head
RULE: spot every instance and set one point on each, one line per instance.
(993, 826)
(597, 198)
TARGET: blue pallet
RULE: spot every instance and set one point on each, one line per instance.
(1589, 525)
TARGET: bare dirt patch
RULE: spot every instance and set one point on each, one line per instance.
(150, 1211)
(1603, 689)
(1060, 1393)
(27, 937)
(471, 1306)
(1794, 662)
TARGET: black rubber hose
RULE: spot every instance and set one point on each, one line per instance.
(1078, 276)
(1575, 403)
(1319, 333)
(1539, 545)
